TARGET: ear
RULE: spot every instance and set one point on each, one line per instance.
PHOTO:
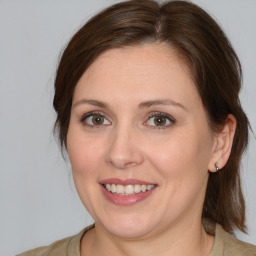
(222, 145)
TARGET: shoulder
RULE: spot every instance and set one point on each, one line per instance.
(69, 246)
(227, 245)
(56, 248)
(237, 247)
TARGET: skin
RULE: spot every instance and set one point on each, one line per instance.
(129, 145)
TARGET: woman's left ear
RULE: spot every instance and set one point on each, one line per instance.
(222, 146)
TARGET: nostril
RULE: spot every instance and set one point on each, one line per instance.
(130, 164)
(123, 152)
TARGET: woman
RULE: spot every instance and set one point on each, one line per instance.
(147, 107)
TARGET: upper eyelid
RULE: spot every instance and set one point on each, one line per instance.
(91, 113)
(152, 114)
(171, 119)
(149, 115)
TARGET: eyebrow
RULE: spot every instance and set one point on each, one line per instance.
(165, 102)
(144, 104)
(96, 103)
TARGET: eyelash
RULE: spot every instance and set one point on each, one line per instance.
(160, 114)
(152, 114)
(91, 114)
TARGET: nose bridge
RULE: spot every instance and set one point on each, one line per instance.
(124, 149)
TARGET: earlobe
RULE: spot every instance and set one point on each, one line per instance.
(217, 166)
(223, 145)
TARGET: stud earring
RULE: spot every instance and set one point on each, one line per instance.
(217, 166)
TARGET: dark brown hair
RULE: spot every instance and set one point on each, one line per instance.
(214, 66)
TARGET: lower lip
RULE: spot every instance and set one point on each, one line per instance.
(126, 200)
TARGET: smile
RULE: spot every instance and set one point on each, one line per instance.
(128, 189)
(126, 192)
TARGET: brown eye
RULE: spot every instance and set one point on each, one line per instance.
(95, 120)
(159, 120)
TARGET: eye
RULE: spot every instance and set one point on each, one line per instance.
(160, 120)
(95, 119)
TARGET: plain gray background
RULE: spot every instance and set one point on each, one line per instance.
(38, 201)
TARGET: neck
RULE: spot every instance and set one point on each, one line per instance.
(186, 241)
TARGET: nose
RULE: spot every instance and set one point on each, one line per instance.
(124, 148)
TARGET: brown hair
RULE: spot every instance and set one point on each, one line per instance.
(214, 66)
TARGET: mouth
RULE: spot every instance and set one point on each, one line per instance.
(129, 189)
(126, 192)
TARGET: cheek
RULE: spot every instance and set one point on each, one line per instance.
(182, 163)
(183, 155)
(84, 154)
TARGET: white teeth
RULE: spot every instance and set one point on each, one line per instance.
(119, 189)
(137, 188)
(113, 188)
(149, 187)
(128, 189)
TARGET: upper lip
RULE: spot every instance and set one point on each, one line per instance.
(126, 182)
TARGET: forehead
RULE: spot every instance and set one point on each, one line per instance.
(150, 70)
(138, 60)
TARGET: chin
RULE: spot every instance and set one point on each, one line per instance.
(128, 231)
(127, 226)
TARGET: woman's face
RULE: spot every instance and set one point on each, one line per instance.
(139, 142)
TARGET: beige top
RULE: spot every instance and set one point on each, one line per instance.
(224, 245)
